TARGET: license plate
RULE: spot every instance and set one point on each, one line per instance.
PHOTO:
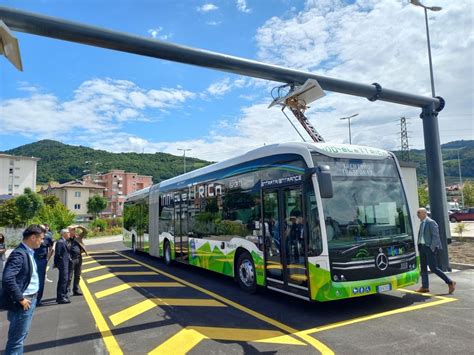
(404, 266)
(384, 288)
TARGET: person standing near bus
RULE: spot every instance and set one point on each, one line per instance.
(429, 243)
(61, 261)
(77, 248)
(42, 255)
(21, 283)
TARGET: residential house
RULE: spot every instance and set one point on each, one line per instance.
(118, 184)
(16, 174)
(74, 195)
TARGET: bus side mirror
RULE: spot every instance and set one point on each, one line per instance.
(323, 173)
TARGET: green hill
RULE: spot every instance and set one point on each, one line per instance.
(62, 162)
(449, 152)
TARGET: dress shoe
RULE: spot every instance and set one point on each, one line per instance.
(423, 290)
(451, 287)
(77, 293)
(64, 301)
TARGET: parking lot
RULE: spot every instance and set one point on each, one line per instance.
(136, 304)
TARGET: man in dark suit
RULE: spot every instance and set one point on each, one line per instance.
(61, 261)
(75, 266)
(21, 284)
(429, 243)
(42, 255)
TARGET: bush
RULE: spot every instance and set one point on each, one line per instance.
(99, 224)
(114, 222)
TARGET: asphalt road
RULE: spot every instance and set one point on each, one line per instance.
(136, 304)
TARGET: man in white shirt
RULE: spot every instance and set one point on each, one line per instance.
(21, 284)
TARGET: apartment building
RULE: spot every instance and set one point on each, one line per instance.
(74, 195)
(17, 173)
(118, 184)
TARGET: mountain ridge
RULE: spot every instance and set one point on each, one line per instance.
(64, 162)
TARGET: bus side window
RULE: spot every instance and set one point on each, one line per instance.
(315, 245)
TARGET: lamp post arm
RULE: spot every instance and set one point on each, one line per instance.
(429, 52)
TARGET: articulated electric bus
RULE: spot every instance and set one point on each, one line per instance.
(316, 221)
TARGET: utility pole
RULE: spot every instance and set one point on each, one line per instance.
(404, 139)
(184, 156)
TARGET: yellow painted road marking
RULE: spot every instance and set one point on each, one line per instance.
(89, 262)
(100, 278)
(131, 312)
(377, 315)
(85, 271)
(120, 273)
(86, 257)
(189, 337)
(95, 268)
(123, 287)
(144, 306)
(110, 342)
(112, 290)
(309, 339)
(116, 259)
(100, 252)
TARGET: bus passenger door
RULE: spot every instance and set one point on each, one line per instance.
(285, 240)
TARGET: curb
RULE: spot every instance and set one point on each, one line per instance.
(467, 239)
(460, 266)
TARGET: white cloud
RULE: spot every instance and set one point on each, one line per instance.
(207, 7)
(213, 23)
(385, 42)
(155, 33)
(97, 106)
(242, 6)
(224, 86)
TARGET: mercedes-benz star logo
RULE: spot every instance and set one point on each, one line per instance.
(381, 261)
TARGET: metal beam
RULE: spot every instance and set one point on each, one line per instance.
(76, 32)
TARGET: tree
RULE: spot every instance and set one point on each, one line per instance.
(28, 205)
(468, 192)
(51, 200)
(57, 216)
(96, 204)
(9, 216)
(423, 196)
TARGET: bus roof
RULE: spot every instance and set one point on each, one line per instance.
(300, 148)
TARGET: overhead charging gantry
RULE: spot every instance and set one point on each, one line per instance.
(37, 24)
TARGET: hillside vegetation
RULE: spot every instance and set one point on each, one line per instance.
(62, 162)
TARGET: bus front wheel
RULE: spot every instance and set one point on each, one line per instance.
(246, 273)
(167, 253)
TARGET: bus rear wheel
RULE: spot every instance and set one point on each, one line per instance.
(167, 253)
(246, 273)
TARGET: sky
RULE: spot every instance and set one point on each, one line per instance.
(120, 102)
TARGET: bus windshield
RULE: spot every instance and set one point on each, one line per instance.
(368, 206)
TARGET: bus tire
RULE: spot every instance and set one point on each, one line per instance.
(167, 253)
(134, 245)
(246, 276)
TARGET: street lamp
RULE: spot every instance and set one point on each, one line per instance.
(184, 156)
(426, 8)
(349, 120)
